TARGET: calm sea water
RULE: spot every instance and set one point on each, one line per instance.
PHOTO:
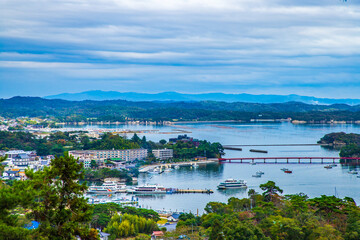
(313, 180)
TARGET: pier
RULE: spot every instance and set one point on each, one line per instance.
(208, 191)
(292, 160)
(232, 148)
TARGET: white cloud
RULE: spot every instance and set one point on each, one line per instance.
(183, 41)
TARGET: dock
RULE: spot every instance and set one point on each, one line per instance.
(232, 148)
(208, 191)
(258, 151)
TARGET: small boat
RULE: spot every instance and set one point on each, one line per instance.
(176, 167)
(284, 169)
(333, 165)
(260, 172)
(257, 175)
(288, 171)
(358, 176)
(253, 163)
(232, 183)
(328, 167)
(353, 172)
(195, 165)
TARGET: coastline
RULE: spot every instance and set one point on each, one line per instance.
(146, 168)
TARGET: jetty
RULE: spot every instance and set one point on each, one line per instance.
(208, 191)
(232, 148)
(258, 151)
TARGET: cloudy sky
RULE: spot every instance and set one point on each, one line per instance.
(234, 46)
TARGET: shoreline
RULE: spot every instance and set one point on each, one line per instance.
(146, 168)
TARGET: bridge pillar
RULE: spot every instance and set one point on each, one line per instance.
(241, 160)
(310, 160)
(322, 161)
(287, 160)
(299, 160)
(264, 160)
(275, 160)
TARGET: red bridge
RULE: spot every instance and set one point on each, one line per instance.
(301, 160)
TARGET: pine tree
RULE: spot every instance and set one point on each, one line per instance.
(59, 204)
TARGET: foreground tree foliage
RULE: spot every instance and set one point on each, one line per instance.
(58, 199)
(273, 216)
(104, 212)
(126, 225)
(53, 197)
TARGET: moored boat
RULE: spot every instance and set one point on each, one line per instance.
(353, 172)
(108, 187)
(328, 167)
(147, 189)
(257, 175)
(232, 183)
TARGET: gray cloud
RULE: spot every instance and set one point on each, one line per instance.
(228, 44)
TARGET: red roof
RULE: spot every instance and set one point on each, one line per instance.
(157, 233)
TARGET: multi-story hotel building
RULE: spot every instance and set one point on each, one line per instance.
(163, 154)
(121, 155)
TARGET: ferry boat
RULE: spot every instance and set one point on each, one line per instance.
(232, 183)
(147, 189)
(107, 188)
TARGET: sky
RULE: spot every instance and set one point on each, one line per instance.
(282, 47)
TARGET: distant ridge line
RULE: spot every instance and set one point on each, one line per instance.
(99, 95)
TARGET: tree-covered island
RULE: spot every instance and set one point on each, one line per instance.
(348, 143)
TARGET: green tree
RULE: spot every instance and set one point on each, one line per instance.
(93, 164)
(59, 203)
(270, 189)
(216, 231)
(12, 200)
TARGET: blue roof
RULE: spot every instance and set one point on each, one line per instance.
(175, 215)
(32, 225)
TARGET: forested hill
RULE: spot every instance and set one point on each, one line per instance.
(146, 110)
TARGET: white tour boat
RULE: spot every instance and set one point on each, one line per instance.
(232, 183)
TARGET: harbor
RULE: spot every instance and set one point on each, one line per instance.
(300, 140)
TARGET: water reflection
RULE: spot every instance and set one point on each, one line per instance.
(232, 192)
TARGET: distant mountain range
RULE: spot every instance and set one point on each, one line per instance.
(119, 110)
(175, 97)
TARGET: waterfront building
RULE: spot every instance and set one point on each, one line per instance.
(115, 155)
(184, 138)
(163, 154)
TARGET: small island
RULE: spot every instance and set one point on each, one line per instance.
(347, 143)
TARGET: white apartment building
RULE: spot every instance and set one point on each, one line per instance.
(121, 155)
(163, 154)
